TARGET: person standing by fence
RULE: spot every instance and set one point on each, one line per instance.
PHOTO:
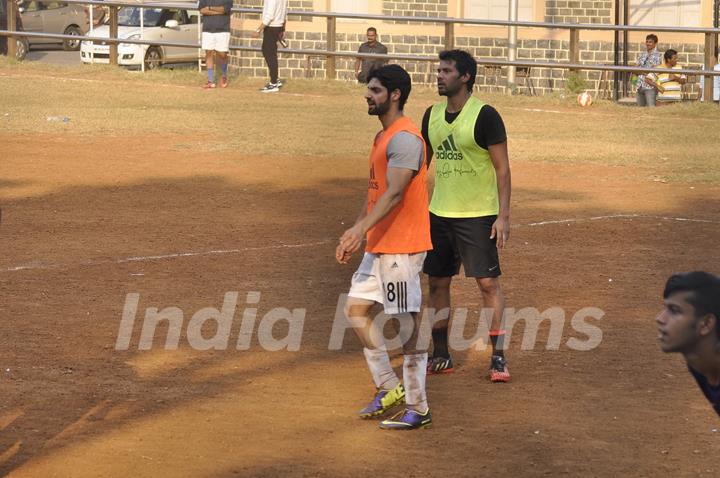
(365, 65)
(668, 84)
(216, 37)
(646, 93)
(273, 30)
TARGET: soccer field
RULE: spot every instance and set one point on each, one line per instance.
(157, 190)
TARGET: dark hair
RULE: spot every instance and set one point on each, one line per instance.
(705, 289)
(652, 37)
(393, 77)
(669, 54)
(372, 29)
(464, 63)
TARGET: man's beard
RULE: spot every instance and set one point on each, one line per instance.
(447, 91)
(380, 109)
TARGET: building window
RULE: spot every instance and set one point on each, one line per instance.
(497, 10)
(350, 6)
(665, 13)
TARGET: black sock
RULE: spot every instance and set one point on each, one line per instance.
(498, 344)
(440, 343)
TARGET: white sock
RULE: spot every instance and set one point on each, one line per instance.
(414, 372)
(382, 372)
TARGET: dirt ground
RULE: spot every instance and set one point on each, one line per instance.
(86, 221)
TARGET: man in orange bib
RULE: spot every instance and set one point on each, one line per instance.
(397, 227)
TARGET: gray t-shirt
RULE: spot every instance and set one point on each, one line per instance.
(368, 64)
(216, 23)
(405, 150)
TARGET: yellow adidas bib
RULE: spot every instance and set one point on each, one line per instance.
(465, 181)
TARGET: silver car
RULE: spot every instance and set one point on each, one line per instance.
(54, 17)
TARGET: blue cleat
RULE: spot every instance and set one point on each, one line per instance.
(407, 419)
(384, 400)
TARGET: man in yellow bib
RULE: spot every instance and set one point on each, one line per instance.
(470, 205)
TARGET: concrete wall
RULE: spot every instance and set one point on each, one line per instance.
(416, 8)
(574, 11)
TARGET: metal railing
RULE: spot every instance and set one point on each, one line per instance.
(331, 53)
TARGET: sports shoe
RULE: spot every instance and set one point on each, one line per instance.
(271, 88)
(384, 400)
(223, 82)
(209, 85)
(438, 365)
(407, 419)
(498, 369)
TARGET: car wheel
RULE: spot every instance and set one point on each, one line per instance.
(72, 45)
(153, 58)
(21, 49)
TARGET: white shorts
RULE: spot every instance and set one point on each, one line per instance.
(216, 41)
(392, 280)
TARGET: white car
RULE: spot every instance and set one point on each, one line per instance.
(159, 24)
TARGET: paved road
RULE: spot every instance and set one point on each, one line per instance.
(54, 55)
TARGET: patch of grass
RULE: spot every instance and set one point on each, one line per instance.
(317, 117)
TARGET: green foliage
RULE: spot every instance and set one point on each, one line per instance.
(575, 83)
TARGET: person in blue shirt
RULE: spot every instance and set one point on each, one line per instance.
(690, 325)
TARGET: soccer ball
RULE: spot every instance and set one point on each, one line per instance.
(584, 99)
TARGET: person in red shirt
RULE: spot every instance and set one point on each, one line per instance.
(396, 223)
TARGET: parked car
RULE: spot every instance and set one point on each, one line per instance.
(54, 17)
(21, 43)
(159, 24)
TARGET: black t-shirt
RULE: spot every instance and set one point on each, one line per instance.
(489, 127)
(712, 392)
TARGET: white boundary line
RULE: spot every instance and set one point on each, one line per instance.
(126, 260)
(163, 256)
(617, 216)
(218, 252)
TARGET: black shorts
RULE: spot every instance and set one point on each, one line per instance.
(462, 240)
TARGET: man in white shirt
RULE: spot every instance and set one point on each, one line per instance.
(716, 85)
(273, 29)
